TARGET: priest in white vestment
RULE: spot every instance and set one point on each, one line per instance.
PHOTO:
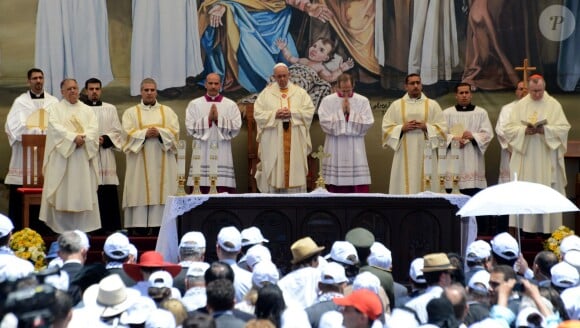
(152, 133)
(408, 123)
(345, 117)
(72, 39)
(69, 194)
(111, 139)
(213, 120)
(283, 114)
(538, 148)
(502, 119)
(26, 116)
(470, 127)
(165, 43)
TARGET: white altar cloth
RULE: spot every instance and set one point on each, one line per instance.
(168, 240)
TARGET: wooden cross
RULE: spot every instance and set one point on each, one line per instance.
(526, 69)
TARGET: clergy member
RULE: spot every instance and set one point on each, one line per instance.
(345, 117)
(27, 116)
(469, 127)
(213, 121)
(111, 139)
(69, 195)
(152, 133)
(283, 114)
(407, 124)
(537, 133)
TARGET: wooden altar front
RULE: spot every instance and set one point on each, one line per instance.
(409, 226)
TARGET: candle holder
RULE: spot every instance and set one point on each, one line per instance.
(442, 184)
(427, 183)
(213, 184)
(455, 189)
(181, 185)
(196, 188)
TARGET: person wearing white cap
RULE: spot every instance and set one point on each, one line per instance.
(191, 250)
(344, 253)
(573, 258)
(380, 264)
(571, 299)
(250, 236)
(417, 280)
(478, 257)
(194, 297)
(477, 297)
(11, 266)
(505, 249)
(257, 254)
(333, 280)
(564, 276)
(161, 287)
(264, 273)
(115, 253)
(229, 243)
(569, 243)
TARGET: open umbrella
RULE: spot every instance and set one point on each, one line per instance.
(517, 197)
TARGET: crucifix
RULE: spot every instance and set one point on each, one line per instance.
(320, 155)
(526, 70)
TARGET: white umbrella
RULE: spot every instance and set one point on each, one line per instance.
(517, 197)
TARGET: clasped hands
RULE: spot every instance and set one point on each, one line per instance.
(283, 113)
(213, 114)
(414, 125)
(464, 139)
(79, 140)
(152, 132)
(537, 130)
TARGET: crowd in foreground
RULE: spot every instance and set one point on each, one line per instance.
(350, 285)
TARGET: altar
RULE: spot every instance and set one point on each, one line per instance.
(409, 225)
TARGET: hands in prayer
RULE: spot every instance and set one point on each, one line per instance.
(80, 140)
(414, 125)
(213, 114)
(152, 133)
(345, 106)
(283, 113)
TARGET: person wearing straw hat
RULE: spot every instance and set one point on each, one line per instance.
(149, 262)
(436, 272)
(301, 285)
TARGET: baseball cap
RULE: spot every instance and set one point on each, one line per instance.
(367, 280)
(569, 243)
(6, 225)
(343, 252)
(265, 271)
(564, 275)
(527, 316)
(117, 246)
(252, 236)
(333, 274)
(573, 258)
(230, 239)
(479, 282)
(416, 270)
(364, 301)
(256, 254)
(193, 239)
(161, 279)
(505, 246)
(380, 257)
(197, 269)
(478, 250)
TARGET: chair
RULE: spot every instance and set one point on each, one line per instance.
(32, 177)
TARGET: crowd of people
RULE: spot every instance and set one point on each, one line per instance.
(350, 285)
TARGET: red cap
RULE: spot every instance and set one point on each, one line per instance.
(150, 259)
(363, 300)
(536, 76)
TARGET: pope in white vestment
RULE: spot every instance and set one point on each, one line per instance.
(407, 171)
(345, 137)
(221, 131)
(538, 155)
(151, 173)
(283, 114)
(69, 194)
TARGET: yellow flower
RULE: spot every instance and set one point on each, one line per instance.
(29, 245)
(553, 242)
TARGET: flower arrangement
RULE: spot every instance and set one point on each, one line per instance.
(27, 244)
(553, 243)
